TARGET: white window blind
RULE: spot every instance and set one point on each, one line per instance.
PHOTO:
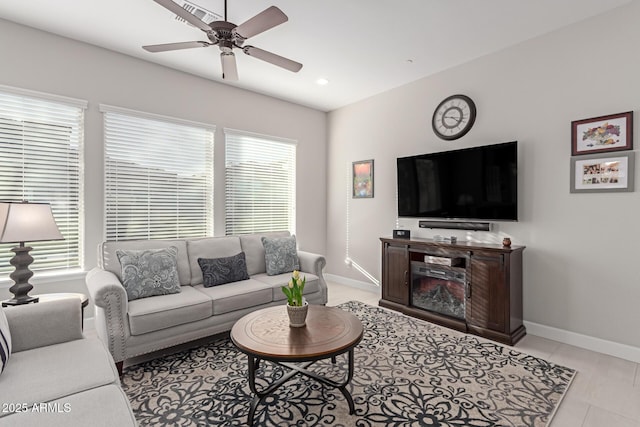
(158, 177)
(41, 143)
(260, 183)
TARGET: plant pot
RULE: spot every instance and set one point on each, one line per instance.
(297, 315)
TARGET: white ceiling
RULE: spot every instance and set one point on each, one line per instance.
(363, 47)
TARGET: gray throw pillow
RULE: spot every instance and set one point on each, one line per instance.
(150, 272)
(218, 271)
(5, 340)
(281, 254)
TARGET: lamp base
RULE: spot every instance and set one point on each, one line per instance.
(20, 290)
(19, 301)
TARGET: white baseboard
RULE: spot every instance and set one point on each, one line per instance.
(587, 342)
(367, 286)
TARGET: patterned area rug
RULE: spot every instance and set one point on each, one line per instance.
(407, 373)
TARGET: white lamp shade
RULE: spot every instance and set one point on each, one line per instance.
(27, 222)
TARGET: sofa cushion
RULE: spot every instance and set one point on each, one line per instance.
(218, 271)
(237, 295)
(210, 247)
(160, 312)
(276, 282)
(46, 373)
(5, 340)
(149, 272)
(108, 260)
(104, 406)
(281, 255)
(254, 250)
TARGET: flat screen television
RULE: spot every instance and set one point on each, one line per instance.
(479, 183)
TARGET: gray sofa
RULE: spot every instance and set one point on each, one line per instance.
(57, 377)
(140, 326)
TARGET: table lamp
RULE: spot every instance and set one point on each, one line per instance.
(22, 222)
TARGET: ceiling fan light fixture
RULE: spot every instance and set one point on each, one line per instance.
(229, 67)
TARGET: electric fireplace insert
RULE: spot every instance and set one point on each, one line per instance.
(438, 289)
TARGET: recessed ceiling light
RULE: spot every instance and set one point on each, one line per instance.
(322, 81)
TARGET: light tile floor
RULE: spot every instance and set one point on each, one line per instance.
(604, 393)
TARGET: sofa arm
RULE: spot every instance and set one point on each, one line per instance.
(110, 299)
(104, 287)
(44, 323)
(312, 263)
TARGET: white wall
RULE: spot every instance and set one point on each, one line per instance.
(580, 265)
(35, 60)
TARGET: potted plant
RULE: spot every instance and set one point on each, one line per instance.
(297, 306)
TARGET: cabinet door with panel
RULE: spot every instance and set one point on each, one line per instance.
(487, 295)
(395, 272)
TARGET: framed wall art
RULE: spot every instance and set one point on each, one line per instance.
(605, 133)
(598, 173)
(362, 173)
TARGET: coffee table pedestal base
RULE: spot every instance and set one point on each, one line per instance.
(296, 369)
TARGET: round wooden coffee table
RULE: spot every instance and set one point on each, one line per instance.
(266, 335)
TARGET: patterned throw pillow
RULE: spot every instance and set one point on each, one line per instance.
(218, 271)
(150, 272)
(281, 254)
(5, 341)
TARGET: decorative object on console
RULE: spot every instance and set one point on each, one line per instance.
(22, 222)
(506, 242)
(297, 306)
(605, 133)
(149, 272)
(363, 179)
(603, 172)
(454, 117)
(218, 271)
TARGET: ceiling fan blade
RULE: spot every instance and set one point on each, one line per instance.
(174, 46)
(182, 13)
(229, 67)
(272, 58)
(263, 21)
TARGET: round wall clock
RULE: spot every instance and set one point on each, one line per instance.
(454, 117)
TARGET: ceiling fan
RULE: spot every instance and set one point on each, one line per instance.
(228, 36)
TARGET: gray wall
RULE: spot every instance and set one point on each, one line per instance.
(35, 60)
(580, 265)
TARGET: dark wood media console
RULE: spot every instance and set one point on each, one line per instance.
(480, 292)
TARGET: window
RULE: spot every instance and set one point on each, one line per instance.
(41, 143)
(260, 183)
(158, 176)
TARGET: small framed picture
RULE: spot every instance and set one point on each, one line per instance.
(605, 133)
(598, 173)
(362, 179)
